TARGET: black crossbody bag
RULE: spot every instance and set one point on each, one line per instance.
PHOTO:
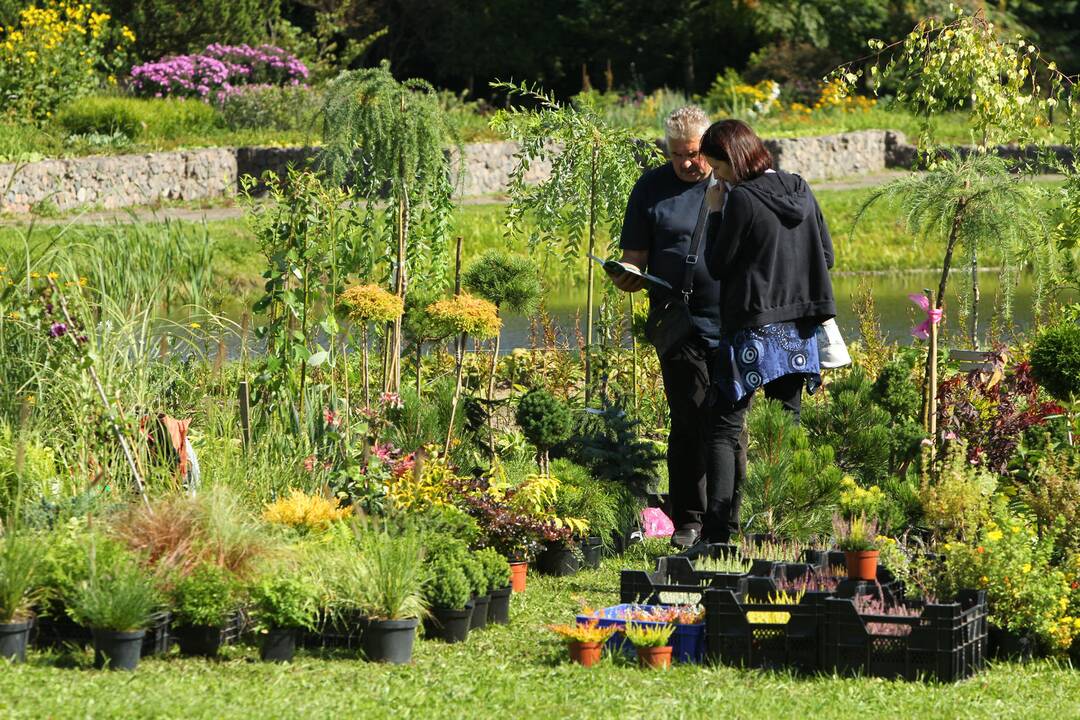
(669, 325)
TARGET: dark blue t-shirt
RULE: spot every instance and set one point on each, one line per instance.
(660, 218)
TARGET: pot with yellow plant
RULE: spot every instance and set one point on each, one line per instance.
(585, 640)
(857, 537)
(653, 643)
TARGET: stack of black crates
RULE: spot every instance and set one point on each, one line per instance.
(824, 631)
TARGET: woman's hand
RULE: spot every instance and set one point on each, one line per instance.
(714, 196)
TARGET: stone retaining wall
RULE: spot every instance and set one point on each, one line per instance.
(126, 180)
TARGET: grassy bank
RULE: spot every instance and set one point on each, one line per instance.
(508, 671)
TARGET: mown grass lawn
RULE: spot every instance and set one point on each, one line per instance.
(509, 672)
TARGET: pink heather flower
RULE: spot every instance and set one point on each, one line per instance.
(331, 418)
(58, 330)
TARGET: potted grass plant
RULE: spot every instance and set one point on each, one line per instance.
(284, 604)
(448, 593)
(653, 643)
(857, 537)
(584, 640)
(204, 601)
(394, 571)
(497, 571)
(18, 586)
(117, 603)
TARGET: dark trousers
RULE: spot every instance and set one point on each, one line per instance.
(702, 458)
(729, 423)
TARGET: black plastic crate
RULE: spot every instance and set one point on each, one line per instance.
(732, 639)
(157, 640)
(234, 628)
(336, 632)
(56, 629)
(673, 582)
(946, 641)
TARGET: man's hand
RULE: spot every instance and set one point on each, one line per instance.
(627, 282)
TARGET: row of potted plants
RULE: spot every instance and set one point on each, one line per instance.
(586, 641)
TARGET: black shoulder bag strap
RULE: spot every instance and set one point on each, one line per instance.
(695, 246)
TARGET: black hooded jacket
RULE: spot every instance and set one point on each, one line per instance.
(771, 251)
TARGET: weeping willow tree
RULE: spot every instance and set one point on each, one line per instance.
(593, 168)
(961, 61)
(390, 141)
(974, 206)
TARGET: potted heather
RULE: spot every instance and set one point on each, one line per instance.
(116, 603)
(18, 572)
(497, 571)
(857, 537)
(585, 641)
(283, 604)
(653, 643)
(204, 602)
(393, 593)
(448, 594)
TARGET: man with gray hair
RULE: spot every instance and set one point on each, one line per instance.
(661, 218)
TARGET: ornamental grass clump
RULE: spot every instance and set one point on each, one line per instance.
(303, 512)
(19, 575)
(367, 304)
(392, 568)
(121, 597)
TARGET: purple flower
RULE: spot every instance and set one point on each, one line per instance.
(57, 330)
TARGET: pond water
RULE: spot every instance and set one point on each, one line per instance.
(897, 314)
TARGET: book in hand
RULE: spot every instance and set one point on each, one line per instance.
(616, 268)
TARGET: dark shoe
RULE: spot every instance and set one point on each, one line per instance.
(685, 538)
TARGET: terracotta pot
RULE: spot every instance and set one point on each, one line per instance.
(586, 653)
(518, 573)
(861, 564)
(654, 657)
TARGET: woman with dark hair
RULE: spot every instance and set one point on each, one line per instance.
(770, 250)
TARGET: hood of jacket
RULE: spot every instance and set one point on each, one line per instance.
(786, 195)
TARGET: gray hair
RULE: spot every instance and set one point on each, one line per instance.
(686, 123)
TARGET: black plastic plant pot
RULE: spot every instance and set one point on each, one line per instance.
(499, 608)
(1007, 645)
(593, 549)
(279, 645)
(558, 561)
(450, 624)
(198, 640)
(13, 638)
(118, 650)
(390, 641)
(479, 620)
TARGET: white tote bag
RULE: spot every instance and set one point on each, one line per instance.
(832, 350)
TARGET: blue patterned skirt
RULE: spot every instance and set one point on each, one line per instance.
(750, 358)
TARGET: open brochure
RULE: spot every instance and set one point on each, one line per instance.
(615, 267)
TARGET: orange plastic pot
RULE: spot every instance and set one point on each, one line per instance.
(518, 573)
(586, 653)
(861, 564)
(654, 657)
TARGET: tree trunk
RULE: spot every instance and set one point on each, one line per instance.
(974, 320)
(491, 396)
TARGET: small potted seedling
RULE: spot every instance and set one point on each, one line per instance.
(204, 601)
(857, 537)
(497, 571)
(283, 605)
(653, 643)
(584, 640)
(448, 593)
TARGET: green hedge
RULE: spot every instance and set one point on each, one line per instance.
(137, 118)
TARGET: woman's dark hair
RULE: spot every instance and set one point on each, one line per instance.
(734, 142)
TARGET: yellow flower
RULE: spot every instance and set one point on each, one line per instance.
(194, 326)
(53, 275)
(35, 275)
(1027, 567)
(993, 535)
(127, 34)
(14, 315)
